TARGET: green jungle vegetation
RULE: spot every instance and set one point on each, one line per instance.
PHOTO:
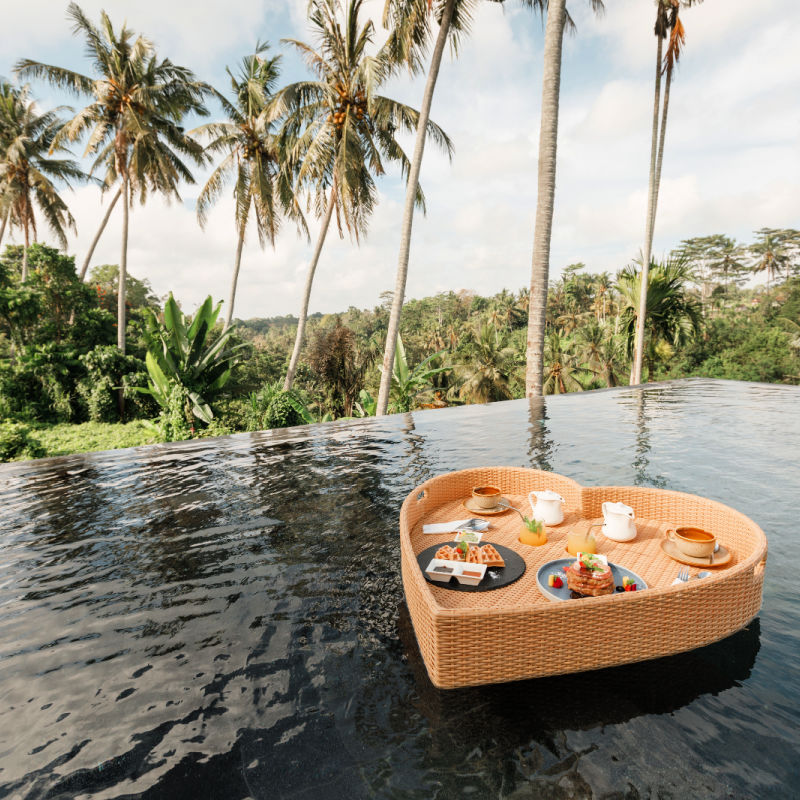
(61, 373)
(91, 358)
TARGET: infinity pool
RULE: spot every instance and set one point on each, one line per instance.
(225, 618)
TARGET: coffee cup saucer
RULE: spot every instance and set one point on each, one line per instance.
(472, 506)
(721, 557)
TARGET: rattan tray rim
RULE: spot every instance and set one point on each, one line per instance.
(435, 624)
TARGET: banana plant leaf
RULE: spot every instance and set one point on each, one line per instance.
(179, 355)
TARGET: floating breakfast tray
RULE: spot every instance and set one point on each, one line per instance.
(467, 639)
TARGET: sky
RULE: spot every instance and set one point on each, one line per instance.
(731, 162)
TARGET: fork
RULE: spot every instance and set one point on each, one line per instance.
(683, 575)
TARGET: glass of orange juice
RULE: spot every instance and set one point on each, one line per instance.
(579, 541)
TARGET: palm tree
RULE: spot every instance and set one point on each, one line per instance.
(770, 253)
(6, 137)
(408, 41)
(712, 257)
(571, 319)
(602, 286)
(557, 17)
(252, 157)
(133, 120)
(487, 366)
(562, 370)
(339, 130)
(27, 170)
(728, 259)
(671, 314)
(667, 22)
(600, 350)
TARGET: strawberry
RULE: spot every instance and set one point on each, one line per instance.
(557, 582)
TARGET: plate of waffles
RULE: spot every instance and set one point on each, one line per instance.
(500, 565)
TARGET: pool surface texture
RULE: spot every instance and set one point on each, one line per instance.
(225, 618)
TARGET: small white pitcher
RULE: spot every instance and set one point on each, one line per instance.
(546, 507)
(618, 522)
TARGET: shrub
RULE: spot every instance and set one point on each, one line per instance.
(172, 424)
(107, 369)
(188, 360)
(17, 441)
(271, 407)
(41, 384)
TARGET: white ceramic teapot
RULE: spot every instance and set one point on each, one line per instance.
(546, 507)
(618, 522)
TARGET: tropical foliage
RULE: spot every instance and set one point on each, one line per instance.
(715, 306)
(132, 122)
(253, 159)
(28, 138)
(340, 130)
(188, 366)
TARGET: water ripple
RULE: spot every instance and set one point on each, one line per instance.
(225, 618)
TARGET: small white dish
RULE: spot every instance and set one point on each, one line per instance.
(442, 570)
(472, 537)
(471, 574)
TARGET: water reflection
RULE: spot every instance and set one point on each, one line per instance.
(540, 445)
(641, 461)
(225, 618)
(585, 700)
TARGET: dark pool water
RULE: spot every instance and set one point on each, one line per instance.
(225, 618)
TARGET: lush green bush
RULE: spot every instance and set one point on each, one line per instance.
(17, 441)
(41, 384)
(762, 354)
(187, 363)
(271, 407)
(45, 309)
(107, 369)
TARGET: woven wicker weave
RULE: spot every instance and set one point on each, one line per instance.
(515, 632)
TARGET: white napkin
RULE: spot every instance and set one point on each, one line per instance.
(452, 527)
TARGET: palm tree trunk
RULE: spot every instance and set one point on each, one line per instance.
(27, 245)
(408, 211)
(301, 322)
(123, 278)
(660, 157)
(235, 278)
(3, 224)
(93, 245)
(638, 348)
(548, 139)
(123, 269)
(99, 233)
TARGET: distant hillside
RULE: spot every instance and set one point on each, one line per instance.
(260, 326)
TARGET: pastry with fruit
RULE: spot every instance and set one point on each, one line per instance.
(590, 575)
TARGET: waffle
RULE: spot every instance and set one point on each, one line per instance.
(448, 553)
(491, 557)
(475, 555)
(485, 555)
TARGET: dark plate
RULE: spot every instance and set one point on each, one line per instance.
(557, 567)
(495, 578)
